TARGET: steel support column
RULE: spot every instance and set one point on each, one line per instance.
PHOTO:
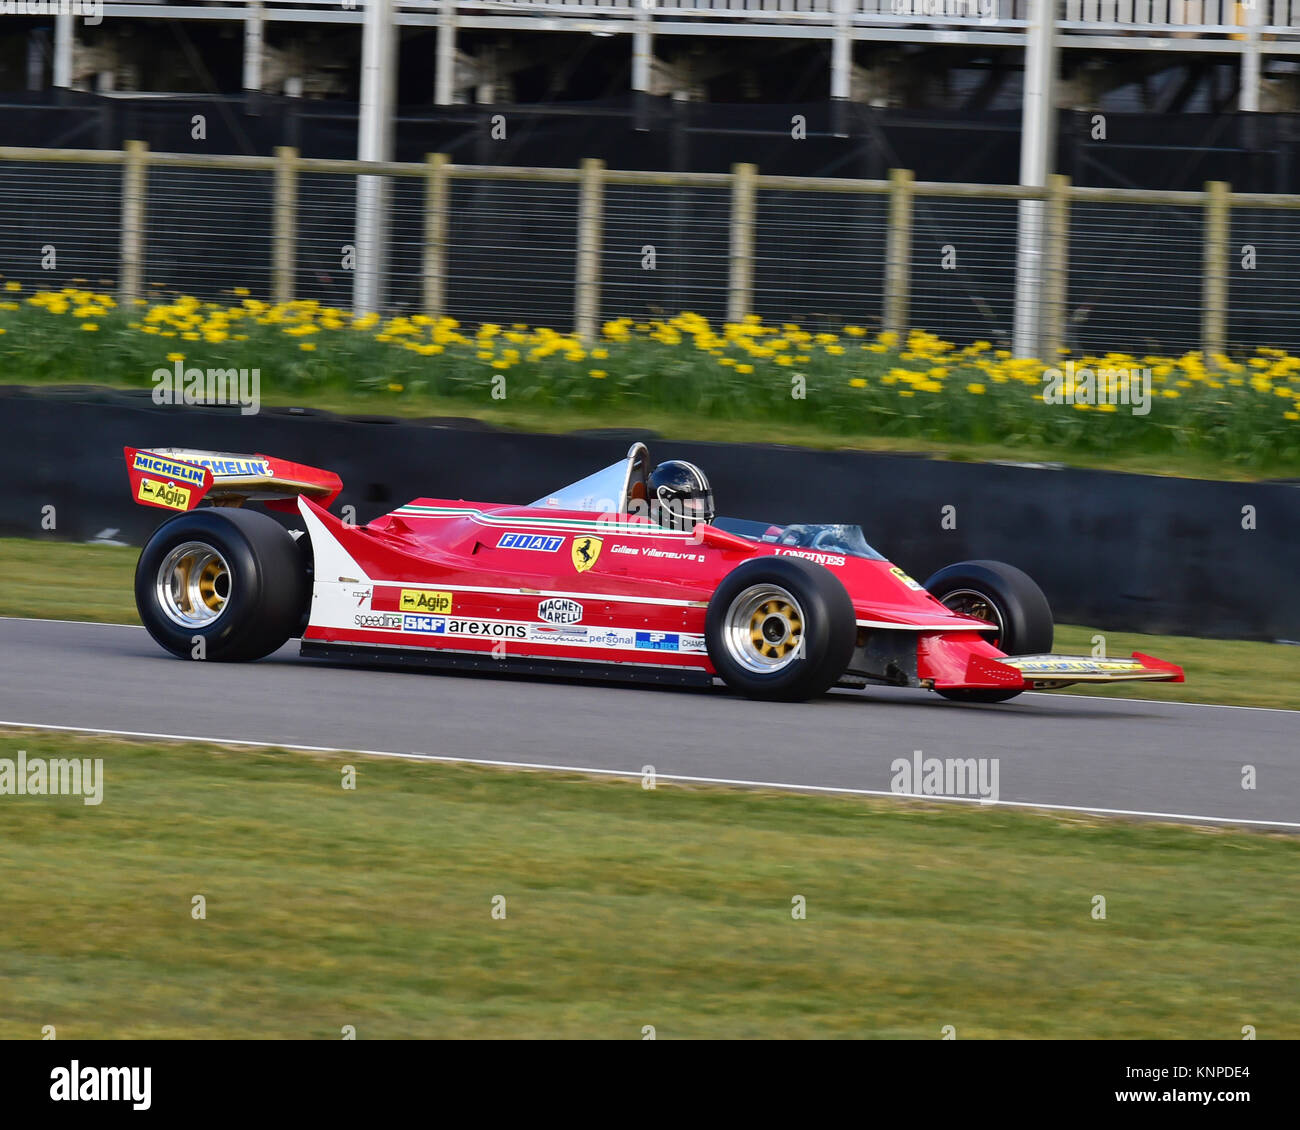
(1037, 159)
(374, 143)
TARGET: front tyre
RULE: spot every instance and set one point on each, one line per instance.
(221, 584)
(780, 628)
(1006, 597)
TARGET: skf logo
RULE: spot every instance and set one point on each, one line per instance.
(422, 600)
(434, 625)
(585, 552)
(164, 494)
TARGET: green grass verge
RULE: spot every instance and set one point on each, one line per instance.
(69, 581)
(53, 580)
(624, 907)
(1231, 672)
(824, 385)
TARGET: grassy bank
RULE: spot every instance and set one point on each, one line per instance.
(624, 908)
(833, 385)
(68, 581)
(1232, 672)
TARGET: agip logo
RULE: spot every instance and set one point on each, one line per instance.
(423, 600)
(586, 550)
(164, 494)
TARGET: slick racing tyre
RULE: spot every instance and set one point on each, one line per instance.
(222, 584)
(780, 628)
(1006, 597)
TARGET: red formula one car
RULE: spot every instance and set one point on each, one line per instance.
(625, 574)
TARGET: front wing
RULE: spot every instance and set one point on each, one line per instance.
(1049, 671)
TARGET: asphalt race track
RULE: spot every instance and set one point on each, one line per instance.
(1126, 756)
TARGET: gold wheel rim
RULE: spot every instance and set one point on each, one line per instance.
(193, 585)
(764, 629)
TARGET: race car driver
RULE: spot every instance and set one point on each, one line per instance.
(680, 495)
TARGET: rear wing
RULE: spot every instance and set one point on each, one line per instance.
(176, 478)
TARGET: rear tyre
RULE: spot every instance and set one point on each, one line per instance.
(222, 584)
(780, 628)
(1007, 598)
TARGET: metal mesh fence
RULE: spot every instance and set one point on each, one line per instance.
(664, 250)
(511, 252)
(963, 268)
(199, 225)
(1137, 268)
(819, 257)
(1135, 277)
(405, 242)
(325, 230)
(1264, 285)
(59, 224)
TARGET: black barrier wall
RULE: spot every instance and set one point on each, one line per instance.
(1117, 551)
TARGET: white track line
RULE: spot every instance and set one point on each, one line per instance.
(635, 775)
(90, 623)
(1039, 694)
(1165, 702)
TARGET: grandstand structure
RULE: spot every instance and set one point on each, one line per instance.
(1261, 38)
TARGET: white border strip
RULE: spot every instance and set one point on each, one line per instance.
(635, 775)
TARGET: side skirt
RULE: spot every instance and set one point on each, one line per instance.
(512, 665)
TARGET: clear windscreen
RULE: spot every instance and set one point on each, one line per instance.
(824, 538)
(604, 492)
(611, 490)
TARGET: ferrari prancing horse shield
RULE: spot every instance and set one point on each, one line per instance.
(585, 552)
